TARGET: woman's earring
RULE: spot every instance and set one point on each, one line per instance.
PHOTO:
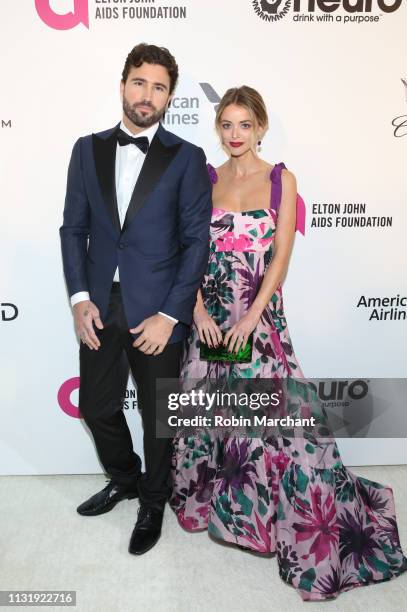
(259, 145)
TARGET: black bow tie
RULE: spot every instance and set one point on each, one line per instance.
(141, 142)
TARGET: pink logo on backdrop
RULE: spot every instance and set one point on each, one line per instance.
(64, 397)
(66, 21)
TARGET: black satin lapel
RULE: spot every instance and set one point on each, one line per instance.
(157, 161)
(104, 151)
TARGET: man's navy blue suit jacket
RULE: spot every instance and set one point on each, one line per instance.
(163, 247)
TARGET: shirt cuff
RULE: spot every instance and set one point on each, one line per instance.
(81, 296)
(168, 316)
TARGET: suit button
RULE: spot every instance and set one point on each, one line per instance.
(121, 245)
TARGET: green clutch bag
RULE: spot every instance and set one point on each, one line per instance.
(220, 353)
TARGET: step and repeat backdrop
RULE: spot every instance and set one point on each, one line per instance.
(334, 76)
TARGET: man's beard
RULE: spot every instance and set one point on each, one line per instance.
(138, 118)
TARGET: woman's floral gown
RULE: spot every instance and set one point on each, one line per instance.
(330, 529)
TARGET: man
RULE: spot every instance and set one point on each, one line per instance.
(135, 242)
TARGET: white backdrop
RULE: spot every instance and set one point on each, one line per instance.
(333, 89)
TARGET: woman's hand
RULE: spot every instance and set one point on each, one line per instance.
(209, 332)
(237, 336)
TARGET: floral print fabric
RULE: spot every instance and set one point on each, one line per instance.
(330, 530)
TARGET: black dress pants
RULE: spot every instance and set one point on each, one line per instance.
(103, 381)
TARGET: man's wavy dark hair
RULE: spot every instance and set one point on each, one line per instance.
(151, 54)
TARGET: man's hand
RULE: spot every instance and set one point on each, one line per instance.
(156, 332)
(85, 315)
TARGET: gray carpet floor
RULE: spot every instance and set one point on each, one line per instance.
(46, 545)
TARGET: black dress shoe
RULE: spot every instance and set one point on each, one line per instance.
(106, 499)
(147, 529)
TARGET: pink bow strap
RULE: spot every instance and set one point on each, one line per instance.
(300, 221)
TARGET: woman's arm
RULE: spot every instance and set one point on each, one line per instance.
(209, 332)
(238, 335)
(283, 243)
(199, 305)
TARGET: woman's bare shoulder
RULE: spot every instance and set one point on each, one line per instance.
(288, 179)
(221, 169)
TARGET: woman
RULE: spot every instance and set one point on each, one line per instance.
(331, 530)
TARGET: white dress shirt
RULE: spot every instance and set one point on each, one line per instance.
(129, 161)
